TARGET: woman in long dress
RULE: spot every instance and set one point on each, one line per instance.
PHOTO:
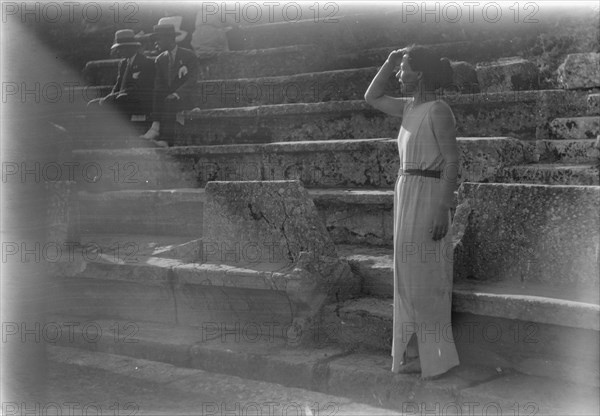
(423, 197)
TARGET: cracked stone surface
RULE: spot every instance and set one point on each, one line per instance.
(269, 221)
(275, 225)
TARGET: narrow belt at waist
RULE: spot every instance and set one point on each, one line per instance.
(421, 172)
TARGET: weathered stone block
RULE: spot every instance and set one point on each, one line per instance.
(256, 214)
(575, 127)
(507, 74)
(531, 233)
(274, 226)
(567, 151)
(580, 70)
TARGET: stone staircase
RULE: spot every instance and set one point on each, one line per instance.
(288, 106)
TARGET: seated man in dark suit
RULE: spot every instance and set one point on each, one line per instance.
(174, 84)
(132, 93)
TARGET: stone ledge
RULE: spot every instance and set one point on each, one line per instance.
(573, 128)
(554, 96)
(528, 302)
(512, 303)
(521, 114)
(167, 272)
(359, 31)
(298, 59)
(194, 386)
(556, 174)
(350, 215)
(364, 163)
(328, 370)
(366, 324)
(566, 151)
(313, 87)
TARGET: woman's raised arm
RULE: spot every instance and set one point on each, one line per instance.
(375, 93)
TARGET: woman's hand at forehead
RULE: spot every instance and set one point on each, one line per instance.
(395, 56)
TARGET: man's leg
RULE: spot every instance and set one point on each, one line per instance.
(163, 126)
(153, 132)
(171, 107)
(98, 111)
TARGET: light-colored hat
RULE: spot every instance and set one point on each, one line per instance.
(125, 37)
(175, 21)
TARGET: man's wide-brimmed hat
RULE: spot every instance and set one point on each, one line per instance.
(125, 37)
(169, 26)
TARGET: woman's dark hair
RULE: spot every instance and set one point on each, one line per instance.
(437, 72)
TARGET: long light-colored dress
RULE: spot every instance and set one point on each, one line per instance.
(422, 267)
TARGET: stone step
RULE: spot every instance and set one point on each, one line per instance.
(572, 128)
(346, 84)
(400, 26)
(551, 174)
(350, 84)
(527, 301)
(196, 282)
(270, 62)
(520, 114)
(163, 212)
(153, 387)
(299, 59)
(361, 376)
(179, 280)
(364, 163)
(464, 50)
(338, 85)
(351, 216)
(288, 261)
(99, 170)
(296, 59)
(116, 281)
(507, 330)
(566, 151)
